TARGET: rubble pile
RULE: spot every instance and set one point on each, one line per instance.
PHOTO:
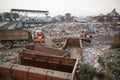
(9, 56)
(73, 29)
(91, 55)
(102, 38)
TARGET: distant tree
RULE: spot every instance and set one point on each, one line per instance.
(7, 15)
(110, 17)
(54, 19)
(100, 18)
(61, 17)
(15, 16)
(68, 17)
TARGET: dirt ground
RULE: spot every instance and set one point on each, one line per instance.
(75, 53)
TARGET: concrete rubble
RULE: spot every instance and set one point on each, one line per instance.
(9, 56)
(71, 29)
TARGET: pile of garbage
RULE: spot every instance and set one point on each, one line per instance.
(9, 56)
(91, 55)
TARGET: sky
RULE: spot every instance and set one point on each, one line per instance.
(60, 7)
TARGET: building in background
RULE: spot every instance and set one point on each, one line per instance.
(68, 17)
(113, 16)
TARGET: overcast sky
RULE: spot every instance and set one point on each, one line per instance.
(55, 7)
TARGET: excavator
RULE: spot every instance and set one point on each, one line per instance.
(39, 37)
(86, 37)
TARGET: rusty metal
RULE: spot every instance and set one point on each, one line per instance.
(116, 41)
(47, 62)
(47, 51)
(72, 42)
(21, 72)
(14, 35)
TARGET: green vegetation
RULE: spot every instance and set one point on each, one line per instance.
(7, 15)
(111, 61)
(15, 16)
(88, 72)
